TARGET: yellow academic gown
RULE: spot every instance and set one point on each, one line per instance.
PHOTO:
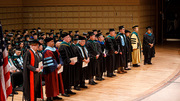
(136, 44)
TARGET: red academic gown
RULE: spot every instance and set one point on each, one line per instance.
(32, 86)
(51, 78)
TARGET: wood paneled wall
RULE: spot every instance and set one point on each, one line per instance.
(147, 16)
(11, 18)
(77, 14)
(11, 14)
(83, 18)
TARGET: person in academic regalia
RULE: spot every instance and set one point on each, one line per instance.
(82, 58)
(23, 50)
(26, 42)
(17, 59)
(42, 35)
(18, 32)
(66, 53)
(107, 34)
(102, 57)
(35, 36)
(51, 35)
(118, 49)
(25, 32)
(52, 31)
(57, 45)
(58, 35)
(95, 33)
(31, 34)
(85, 35)
(148, 46)
(75, 69)
(71, 35)
(40, 49)
(129, 48)
(34, 29)
(10, 38)
(99, 32)
(51, 64)
(123, 49)
(10, 50)
(76, 35)
(76, 32)
(136, 45)
(38, 31)
(110, 45)
(41, 40)
(99, 60)
(32, 83)
(94, 55)
(6, 32)
(60, 31)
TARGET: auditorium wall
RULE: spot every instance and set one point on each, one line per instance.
(11, 14)
(78, 15)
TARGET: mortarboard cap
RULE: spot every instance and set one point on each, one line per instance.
(135, 26)
(82, 38)
(127, 31)
(48, 39)
(110, 30)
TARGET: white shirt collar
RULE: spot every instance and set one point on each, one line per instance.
(33, 51)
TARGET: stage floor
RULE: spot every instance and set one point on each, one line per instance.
(138, 83)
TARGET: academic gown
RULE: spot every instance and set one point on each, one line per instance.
(136, 45)
(76, 68)
(32, 85)
(118, 48)
(100, 60)
(10, 52)
(18, 62)
(129, 49)
(104, 67)
(92, 51)
(66, 53)
(109, 43)
(123, 50)
(51, 78)
(147, 51)
(83, 54)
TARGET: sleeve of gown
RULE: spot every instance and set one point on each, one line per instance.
(26, 60)
(145, 42)
(120, 44)
(134, 41)
(18, 66)
(109, 44)
(64, 55)
(49, 60)
(91, 51)
(99, 48)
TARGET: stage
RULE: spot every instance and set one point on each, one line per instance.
(138, 83)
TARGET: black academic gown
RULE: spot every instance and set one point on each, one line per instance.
(109, 43)
(83, 71)
(99, 61)
(92, 51)
(66, 54)
(147, 51)
(28, 69)
(129, 49)
(76, 68)
(123, 56)
(118, 48)
(104, 68)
